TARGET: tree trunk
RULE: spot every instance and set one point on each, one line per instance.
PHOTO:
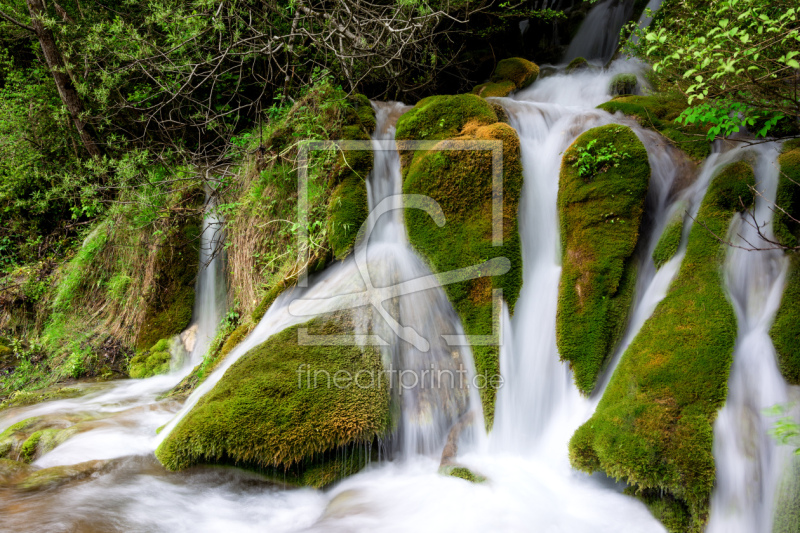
(66, 89)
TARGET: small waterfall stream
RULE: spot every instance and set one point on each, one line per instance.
(749, 462)
(128, 411)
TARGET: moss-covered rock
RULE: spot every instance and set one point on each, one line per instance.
(510, 75)
(653, 426)
(658, 112)
(151, 362)
(494, 89)
(461, 472)
(348, 209)
(623, 84)
(669, 242)
(517, 70)
(280, 408)
(600, 217)
(579, 63)
(31, 438)
(461, 182)
(13, 471)
(56, 476)
(172, 300)
(23, 397)
(785, 331)
(787, 505)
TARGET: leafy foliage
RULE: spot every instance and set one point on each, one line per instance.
(737, 61)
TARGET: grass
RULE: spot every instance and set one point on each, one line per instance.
(263, 413)
(658, 112)
(785, 331)
(600, 216)
(461, 182)
(653, 426)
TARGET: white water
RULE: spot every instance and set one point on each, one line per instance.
(749, 462)
(598, 36)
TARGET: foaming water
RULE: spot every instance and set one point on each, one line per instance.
(749, 462)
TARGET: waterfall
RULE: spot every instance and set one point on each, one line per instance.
(749, 462)
(384, 260)
(598, 36)
(530, 482)
(128, 410)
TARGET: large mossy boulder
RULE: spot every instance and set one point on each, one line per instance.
(600, 208)
(288, 409)
(461, 182)
(785, 331)
(653, 425)
(510, 75)
(658, 112)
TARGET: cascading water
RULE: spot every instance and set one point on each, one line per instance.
(530, 483)
(127, 412)
(749, 463)
(598, 36)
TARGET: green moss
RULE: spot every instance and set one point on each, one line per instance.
(22, 398)
(172, 301)
(348, 209)
(461, 182)
(269, 298)
(443, 117)
(623, 84)
(577, 64)
(510, 75)
(600, 218)
(268, 411)
(659, 112)
(787, 507)
(29, 447)
(55, 476)
(653, 426)
(364, 111)
(152, 362)
(785, 331)
(462, 473)
(489, 89)
(517, 70)
(11, 471)
(669, 511)
(669, 242)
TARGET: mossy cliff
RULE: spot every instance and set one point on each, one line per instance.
(600, 213)
(288, 407)
(172, 291)
(658, 112)
(264, 257)
(461, 182)
(653, 425)
(510, 75)
(785, 331)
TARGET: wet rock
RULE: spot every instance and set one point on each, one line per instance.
(48, 478)
(12, 471)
